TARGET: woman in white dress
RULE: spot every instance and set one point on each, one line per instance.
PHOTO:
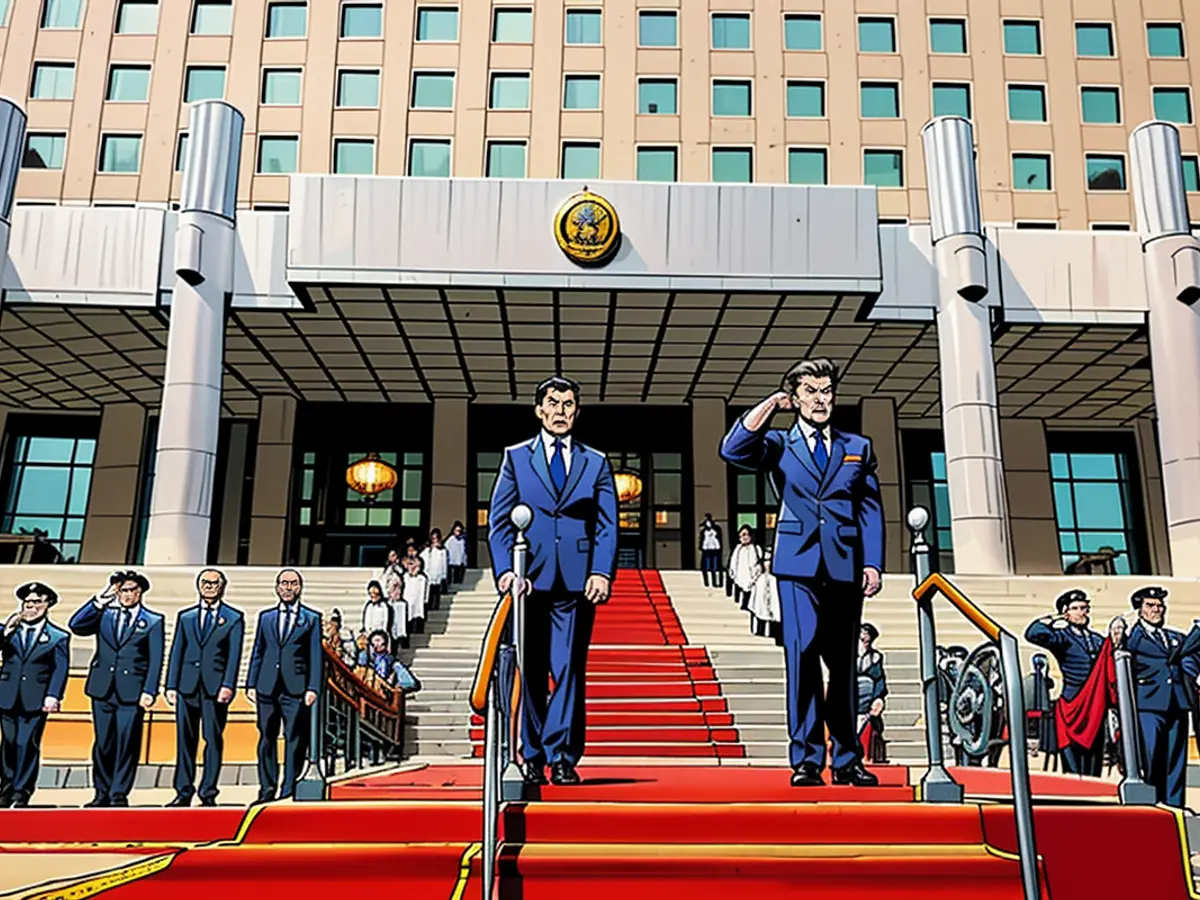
(764, 604)
(416, 594)
(437, 568)
(392, 577)
(388, 616)
(745, 565)
(456, 554)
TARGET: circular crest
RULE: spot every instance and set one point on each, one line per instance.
(587, 229)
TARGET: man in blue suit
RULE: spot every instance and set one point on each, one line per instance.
(571, 563)
(1076, 648)
(1164, 670)
(201, 678)
(122, 680)
(828, 556)
(33, 677)
(283, 680)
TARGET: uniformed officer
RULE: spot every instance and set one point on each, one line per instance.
(32, 681)
(1076, 648)
(122, 680)
(1163, 692)
(201, 679)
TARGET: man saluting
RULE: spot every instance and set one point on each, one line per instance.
(32, 680)
(828, 556)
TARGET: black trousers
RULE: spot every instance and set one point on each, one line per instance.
(435, 595)
(21, 757)
(457, 573)
(1077, 760)
(199, 715)
(289, 713)
(117, 747)
(710, 565)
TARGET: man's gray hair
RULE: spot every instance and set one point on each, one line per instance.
(809, 368)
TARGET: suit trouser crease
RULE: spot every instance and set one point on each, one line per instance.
(117, 746)
(821, 621)
(196, 715)
(1164, 745)
(21, 758)
(558, 630)
(289, 713)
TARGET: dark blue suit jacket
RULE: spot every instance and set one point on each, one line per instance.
(1074, 659)
(573, 535)
(210, 664)
(1164, 680)
(835, 518)
(128, 668)
(293, 667)
(28, 678)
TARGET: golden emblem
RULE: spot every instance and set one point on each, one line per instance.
(587, 229)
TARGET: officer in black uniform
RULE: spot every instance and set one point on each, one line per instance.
(37, 659)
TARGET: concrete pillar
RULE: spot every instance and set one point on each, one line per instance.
(880, 426)
(1172, 261)
(1153, 501)
(272, 480)
(232, 492)
(116, 484)
(710, 490)
(1030, 491)
(967, 371)
(12, 150)
(448, 489)
(181, 507)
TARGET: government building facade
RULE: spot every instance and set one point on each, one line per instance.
(249, 243)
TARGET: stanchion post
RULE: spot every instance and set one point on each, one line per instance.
(937, 785)
(312, 784)
(1132, 791)
(1014, 697)
(512, 781)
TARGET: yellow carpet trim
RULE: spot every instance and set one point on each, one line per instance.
(464, 870)
(1188, 877)
(247, 821)
(95, 884)
(775, 851)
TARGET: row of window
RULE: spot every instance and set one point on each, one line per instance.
(288, 19)
(430, 158)
(360, 88)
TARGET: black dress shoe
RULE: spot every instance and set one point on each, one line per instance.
(534, 773)
(807, 775)
(181, 800)
(563, 772)
(97, 803)
(854, 774)
(118, 802)
(20, 801)
(208, 801)
(6, 800)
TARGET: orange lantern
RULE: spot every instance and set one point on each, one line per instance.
(370, 476)
(629, 487)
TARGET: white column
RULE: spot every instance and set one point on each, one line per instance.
(967, 372)
(181, 506)
(12, 149)
(1172, 259)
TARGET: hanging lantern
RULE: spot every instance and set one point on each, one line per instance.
(370, 476)
(629, 487)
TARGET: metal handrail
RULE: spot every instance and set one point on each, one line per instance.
(1133, 790)
(502, 776)
(938, 785)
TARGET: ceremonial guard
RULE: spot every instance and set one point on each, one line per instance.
(1162, 658)
(122, 680)
(36, 656)
(201, 679)
(1079, 713)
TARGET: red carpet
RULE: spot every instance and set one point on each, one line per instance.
(649, 696)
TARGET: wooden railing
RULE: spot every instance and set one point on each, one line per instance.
(362, 717)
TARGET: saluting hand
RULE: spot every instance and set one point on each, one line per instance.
(783, 400)
(10, 625)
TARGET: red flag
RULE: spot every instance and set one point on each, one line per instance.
(1080, 719)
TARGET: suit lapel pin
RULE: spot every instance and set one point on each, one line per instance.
(141, 623)
(221, 621)
(44, 639)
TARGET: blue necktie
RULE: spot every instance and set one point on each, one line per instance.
(558, 467)
(207, 627)
(124, 626)
(820, 455)
(287, 624)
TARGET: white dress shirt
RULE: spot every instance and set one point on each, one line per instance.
(134, 612)
(28, 634)
(548, 440)
(810, 433)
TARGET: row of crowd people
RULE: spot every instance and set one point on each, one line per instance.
(125, 674)
(412, 583)
(749, 581)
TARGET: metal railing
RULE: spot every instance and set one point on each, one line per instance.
(937, 785)
(496, 696)
(1133, 790)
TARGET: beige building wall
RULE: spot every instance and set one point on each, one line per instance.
(85, 117)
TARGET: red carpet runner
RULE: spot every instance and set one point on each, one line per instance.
(648, 694)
